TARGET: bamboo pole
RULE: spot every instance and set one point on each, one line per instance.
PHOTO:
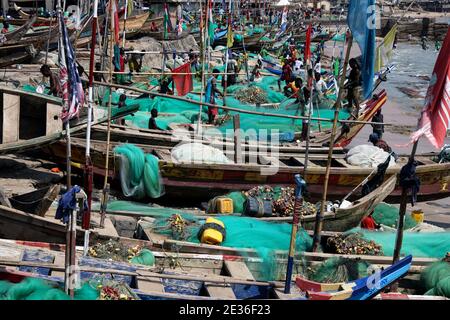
(108, 138)
(203, 38)
(401, 219)
(227, 54)
(125, 24)
(49, 35)
(88, 167)
(172, 73)
(319, 216)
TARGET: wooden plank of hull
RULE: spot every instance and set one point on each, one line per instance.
(15, 224)
(238, 270)
(134, 22)
(208, 180)
(345, 219)
(220, 291)
(36, 202)
(19, 54)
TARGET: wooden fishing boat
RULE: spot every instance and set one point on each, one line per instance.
(133, 24)
(361, 289)
(250, 42)
(186, 132)
(204, 181)
(193, 276)
(147, 26)
(15, 54)
(30, 119)
(159, 35)
(36, 202)
(340, 220)
(13, 37)
(40, 21)
(343, 219)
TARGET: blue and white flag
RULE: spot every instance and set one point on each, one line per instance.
(70, 81)
(361, 20)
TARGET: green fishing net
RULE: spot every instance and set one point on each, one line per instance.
(144, 257)
(388, 215)
(139, 172)
(436, 279)
(338, 269)
(418, 244)
(38, 289)
(246, 233)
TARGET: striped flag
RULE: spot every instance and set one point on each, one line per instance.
(167, 22)
(435, 116)
(70, 81)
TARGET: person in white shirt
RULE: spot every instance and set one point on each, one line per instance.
(320, 89)
(318, 66)
(298, 65)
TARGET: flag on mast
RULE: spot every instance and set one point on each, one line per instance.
(211, 26)
(230, 36)
(69, 79)
(361, 20)
(386, 49)
(167, 22)
(435, 117)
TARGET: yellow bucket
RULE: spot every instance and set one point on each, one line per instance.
(417, 215)
(214, 232)
(224, 205)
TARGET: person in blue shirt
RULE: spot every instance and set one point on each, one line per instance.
(210, 96)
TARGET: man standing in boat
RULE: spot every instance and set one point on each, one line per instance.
(354, 88)
(210, 96)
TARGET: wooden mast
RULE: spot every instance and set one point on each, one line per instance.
(108, 138)
(125, 24)
(319, 216)
(226, 53)
(204, 36)
(88, 165)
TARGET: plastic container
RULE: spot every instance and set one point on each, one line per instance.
(417, 215)
(225, 206)
(211, 235)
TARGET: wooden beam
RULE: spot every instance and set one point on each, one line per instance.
(220, 291)
(238, 270)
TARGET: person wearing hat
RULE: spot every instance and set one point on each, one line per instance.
(378, 142)
(135, 61)
(354, 87)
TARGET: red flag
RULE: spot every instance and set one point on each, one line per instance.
(308, 43)
(183, 82)
(435, 116)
